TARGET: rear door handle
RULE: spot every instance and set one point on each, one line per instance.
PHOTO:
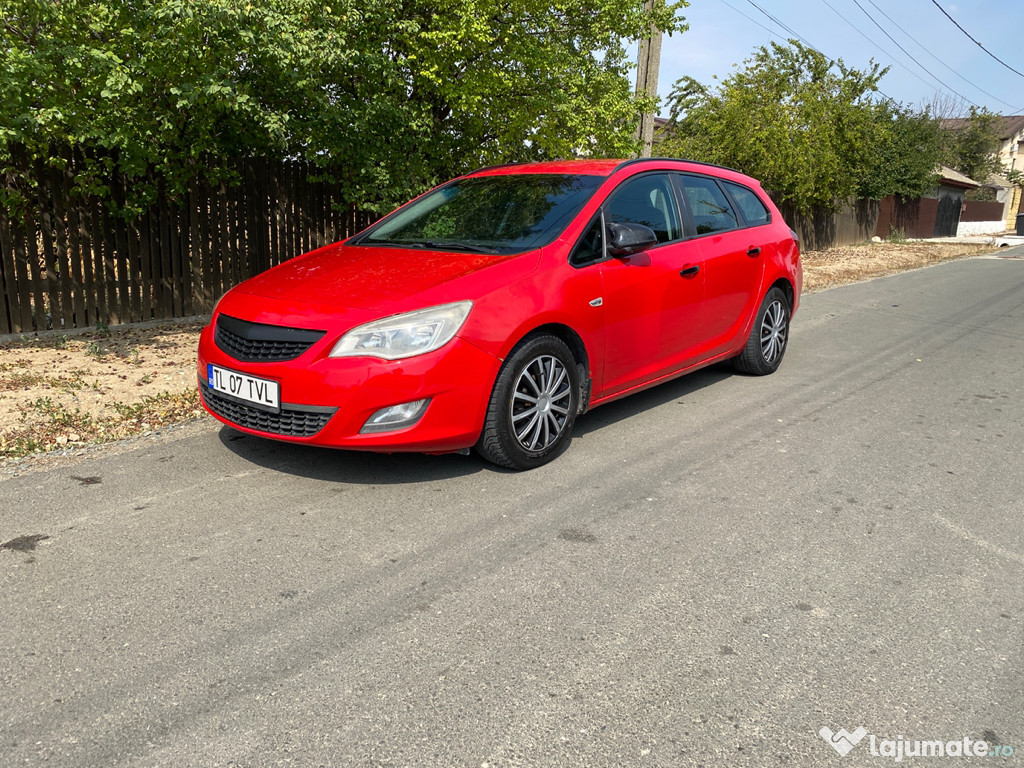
(689, 272)
(754, 251)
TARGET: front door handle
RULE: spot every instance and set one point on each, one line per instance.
(689, 272)
(754, 251)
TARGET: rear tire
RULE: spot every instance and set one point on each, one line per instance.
(768, 338)
(533, 405)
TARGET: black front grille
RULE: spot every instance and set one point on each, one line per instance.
(293, 421)
(260, 343)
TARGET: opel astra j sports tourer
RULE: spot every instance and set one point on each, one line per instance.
(491, 311)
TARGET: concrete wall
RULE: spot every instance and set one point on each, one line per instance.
(965, 228)
(1013, 207)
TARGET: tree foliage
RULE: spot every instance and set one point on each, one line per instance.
(906, 153)
(973, 147)
(799, 122)
(401, 93)
(810, 128)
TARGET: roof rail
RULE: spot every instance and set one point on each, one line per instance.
(637, 160)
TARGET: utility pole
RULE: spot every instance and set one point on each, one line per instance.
(647, 65)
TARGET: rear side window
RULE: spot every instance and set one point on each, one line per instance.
(711, 209)
(750, 205)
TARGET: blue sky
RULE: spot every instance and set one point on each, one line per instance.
(720, 38)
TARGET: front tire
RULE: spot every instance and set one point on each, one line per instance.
(533, 405)
(768, 338)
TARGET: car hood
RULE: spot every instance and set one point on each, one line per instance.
(379, 278)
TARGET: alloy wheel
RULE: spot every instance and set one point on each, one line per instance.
(540, 403)
(773, 332)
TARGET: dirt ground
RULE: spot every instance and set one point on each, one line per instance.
(70, 390)
(853, 263)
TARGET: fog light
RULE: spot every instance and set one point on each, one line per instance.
(395, 417)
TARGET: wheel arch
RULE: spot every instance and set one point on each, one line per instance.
(786, 287)
(783, 284)
(579, 352)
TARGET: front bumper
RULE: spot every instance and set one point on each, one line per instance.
(326, 401)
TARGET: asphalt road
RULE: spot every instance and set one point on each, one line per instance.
(715, 571)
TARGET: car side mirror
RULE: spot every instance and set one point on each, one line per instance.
(627, 237)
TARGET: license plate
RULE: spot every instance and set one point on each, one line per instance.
(241, 386)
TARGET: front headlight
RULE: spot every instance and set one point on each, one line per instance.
(414, 333)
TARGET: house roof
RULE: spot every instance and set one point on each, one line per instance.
(1006, 127)
(956, 179)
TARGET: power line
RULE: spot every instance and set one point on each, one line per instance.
(907, 54)
(936, 58)
(986, 50)
(783, 26)
(860, 32)
(753, 20)
(941, 86)
(793, 32)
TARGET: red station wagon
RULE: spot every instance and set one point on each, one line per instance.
(491, 311)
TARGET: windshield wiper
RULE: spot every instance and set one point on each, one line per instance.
(442, 246)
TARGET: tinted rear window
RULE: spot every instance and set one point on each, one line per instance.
(754, 212)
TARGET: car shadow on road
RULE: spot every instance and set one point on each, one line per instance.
(670, 391)
(341, 466)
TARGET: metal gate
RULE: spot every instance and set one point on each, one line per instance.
(947, 218)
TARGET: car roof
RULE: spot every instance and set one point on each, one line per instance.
(577, 167)
(606, 168)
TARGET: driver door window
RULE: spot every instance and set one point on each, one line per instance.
(647, 200)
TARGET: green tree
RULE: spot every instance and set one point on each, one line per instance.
(803, 124)
(972, 146)
(906, 154)
(400, 93)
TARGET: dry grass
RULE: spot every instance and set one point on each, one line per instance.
(60, 391)
(853, 263)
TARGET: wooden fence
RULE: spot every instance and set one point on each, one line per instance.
(70, 263)
(855, 222)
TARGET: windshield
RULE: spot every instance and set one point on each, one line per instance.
(493, 214)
